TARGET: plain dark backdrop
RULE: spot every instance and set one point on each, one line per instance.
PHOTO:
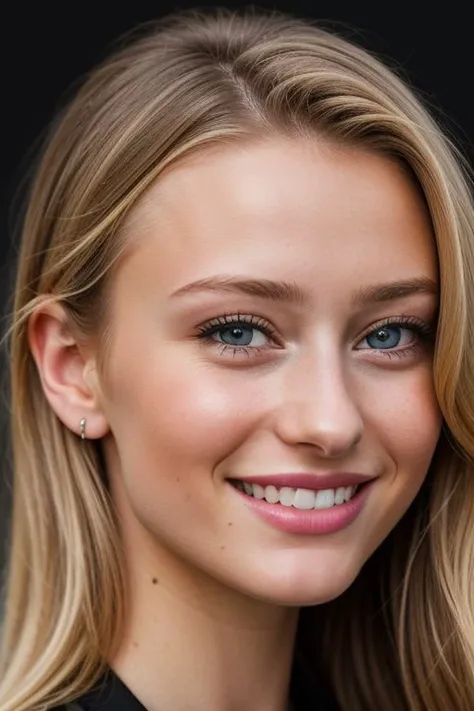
(47, 47)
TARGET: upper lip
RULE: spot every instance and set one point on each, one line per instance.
(308, 480)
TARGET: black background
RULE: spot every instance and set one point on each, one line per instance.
(46, 47)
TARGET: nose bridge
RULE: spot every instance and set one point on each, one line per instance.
(319, 406)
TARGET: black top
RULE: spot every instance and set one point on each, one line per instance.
(111, 694)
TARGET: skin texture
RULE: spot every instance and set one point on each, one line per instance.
(212, 587)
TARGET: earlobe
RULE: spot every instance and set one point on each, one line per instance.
(65, 371)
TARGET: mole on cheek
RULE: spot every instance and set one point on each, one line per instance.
(154, 581)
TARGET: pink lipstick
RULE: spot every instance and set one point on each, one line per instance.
(306, 503)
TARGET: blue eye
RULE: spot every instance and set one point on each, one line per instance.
(240, 335)
(387, 337)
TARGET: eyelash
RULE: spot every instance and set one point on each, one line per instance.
(423, 331)
(425, 336)
(207, 330)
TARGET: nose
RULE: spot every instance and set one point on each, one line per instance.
(317, 408)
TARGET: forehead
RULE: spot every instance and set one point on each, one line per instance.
(282, 208)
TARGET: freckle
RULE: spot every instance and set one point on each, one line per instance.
(222, 548)
(230, 523)
(154, 581)
(135, 644)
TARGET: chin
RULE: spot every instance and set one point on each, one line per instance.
(312, 597)
(304, 589)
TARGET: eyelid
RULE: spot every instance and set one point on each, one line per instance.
(404, 321)
(228, 319)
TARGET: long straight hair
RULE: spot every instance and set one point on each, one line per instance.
(402, 637)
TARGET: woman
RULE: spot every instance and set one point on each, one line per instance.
(242, 382)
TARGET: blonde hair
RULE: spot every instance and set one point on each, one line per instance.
(402, 637)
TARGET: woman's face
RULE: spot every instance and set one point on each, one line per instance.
(272, 325)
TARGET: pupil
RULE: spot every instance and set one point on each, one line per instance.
(383, 334)
(237, 333)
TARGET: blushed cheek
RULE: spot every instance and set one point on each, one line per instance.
(412, 428)
(406, 426)
(189, 415)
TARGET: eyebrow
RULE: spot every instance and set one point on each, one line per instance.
(291, 293)
(395, 290)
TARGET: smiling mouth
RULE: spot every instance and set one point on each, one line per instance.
(303, 499)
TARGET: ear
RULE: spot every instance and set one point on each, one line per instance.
(68, 372)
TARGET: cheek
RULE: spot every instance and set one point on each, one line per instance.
(407, 423)
(416, 424)
(176, 409)
(401, 410)
(403, 424)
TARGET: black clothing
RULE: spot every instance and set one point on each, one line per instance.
(111, 694)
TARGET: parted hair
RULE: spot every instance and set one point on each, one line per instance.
(401, 638)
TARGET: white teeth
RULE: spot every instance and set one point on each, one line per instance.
(272, 495)
(304, 499)
(349, 492)
(287, 496)
(324, 499)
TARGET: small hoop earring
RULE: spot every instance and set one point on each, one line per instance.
(82, 425)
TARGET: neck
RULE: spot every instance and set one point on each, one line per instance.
(191, 643)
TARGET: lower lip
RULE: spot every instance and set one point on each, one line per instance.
(312, 521)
